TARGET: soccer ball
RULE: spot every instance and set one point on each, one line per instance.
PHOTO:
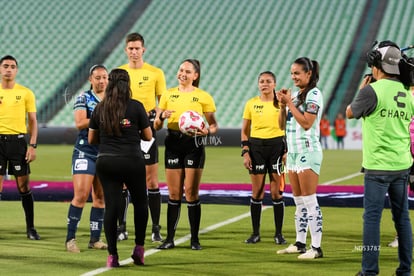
(190, 121)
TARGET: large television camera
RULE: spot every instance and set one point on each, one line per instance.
(407, 67)
(406, 64)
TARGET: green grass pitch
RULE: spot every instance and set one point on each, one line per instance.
(224, 252)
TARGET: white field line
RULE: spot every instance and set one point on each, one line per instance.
(341, 179)
(178, 241)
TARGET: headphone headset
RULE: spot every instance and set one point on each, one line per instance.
(406, 64)
(374, 56)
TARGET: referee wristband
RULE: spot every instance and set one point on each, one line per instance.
(245, 143)
(160, 117)
(244, 152)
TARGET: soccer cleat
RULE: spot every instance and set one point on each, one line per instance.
(195, 245)
(394, 243)
(32, 234)
(312, 253)
(112, 261)
(298, 247)
(156, 236)
(279, 239)
(138, 255)
(123, 236)
(72, 247)
(253, 239)
(97, 245)
(166, 245)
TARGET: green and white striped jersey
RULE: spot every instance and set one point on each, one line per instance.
(298, 139)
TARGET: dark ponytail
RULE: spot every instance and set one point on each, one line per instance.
(275, 100)
(197, 69)
(308, 65)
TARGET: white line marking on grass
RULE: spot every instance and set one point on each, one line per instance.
(341, 179)
(178, 241)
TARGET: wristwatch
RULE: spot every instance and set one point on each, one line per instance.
(33, 145)
(244, 151)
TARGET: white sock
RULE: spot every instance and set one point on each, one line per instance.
(314, 219)
(301, 219)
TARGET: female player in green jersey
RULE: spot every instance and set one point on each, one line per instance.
(301, 121)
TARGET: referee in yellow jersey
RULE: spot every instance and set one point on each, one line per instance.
(263, 147)
(16, 104)
(184, 155)
(147, 85)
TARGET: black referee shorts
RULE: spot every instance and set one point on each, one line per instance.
(13, 150)
(266, 155)
(151, 157)
(183, 151)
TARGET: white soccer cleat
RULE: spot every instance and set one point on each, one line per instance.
(292, 249)
(394, 243)
(72, 247)
(312, 253)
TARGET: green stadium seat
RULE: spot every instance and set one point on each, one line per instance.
(236, 40)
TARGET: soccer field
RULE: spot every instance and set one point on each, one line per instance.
(223, 165)
(223, 230)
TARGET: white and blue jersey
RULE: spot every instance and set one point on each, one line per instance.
(84, 155)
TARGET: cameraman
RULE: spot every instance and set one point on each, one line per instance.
(386, 107)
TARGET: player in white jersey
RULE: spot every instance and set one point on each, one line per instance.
(300, 117)
(299, 139)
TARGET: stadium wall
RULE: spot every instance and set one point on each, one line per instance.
(228, 137)
(67, 135)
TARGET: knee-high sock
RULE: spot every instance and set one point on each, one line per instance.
(314, 218)
(194, 217)
(27, 203)
(278, 214)
(301, 219)
(123, 210)
(255, 214)
(173, 216)
(96, 221)
(74, 217)
(154, 203)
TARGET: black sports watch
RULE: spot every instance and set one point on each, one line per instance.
(244, 152)
(33, 145)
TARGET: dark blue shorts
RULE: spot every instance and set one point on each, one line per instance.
(83, 162)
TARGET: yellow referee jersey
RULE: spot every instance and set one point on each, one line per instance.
(197, 100)
(14, 105)
(147, 83)
(264, 118)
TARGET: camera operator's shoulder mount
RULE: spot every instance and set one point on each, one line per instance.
(406, 64)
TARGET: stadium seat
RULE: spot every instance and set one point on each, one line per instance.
(236, 40)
